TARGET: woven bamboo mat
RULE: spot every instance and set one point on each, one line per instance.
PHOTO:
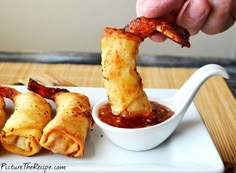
(214, 101)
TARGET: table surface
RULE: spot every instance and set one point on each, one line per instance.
(215, 101)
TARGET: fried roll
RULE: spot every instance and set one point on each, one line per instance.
(22, 131)
(67, 132)
(122, 81)
(2, 112)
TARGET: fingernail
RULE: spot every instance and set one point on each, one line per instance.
(196, 11)
(153, 8)
(150, 4)
(145, 8)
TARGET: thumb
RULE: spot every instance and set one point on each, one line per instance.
(156, 8)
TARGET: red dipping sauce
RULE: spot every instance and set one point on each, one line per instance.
(159, 114)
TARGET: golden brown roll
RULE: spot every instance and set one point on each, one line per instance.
(122, 81)
(2, 112)
(23, 130)
(67, 132)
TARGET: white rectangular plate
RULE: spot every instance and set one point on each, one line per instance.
(188, 149)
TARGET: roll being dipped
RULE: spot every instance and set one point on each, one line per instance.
(23, 130)
(120, 47)
(67, 132)
(122, 81)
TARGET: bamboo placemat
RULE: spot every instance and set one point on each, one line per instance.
(214, 101)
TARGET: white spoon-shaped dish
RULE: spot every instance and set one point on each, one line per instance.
(146, 138)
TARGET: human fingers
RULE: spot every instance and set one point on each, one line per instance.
(193, 15)
(158, 37)
(222, 16)
(156, 8)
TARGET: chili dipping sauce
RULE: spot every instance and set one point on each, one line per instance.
(159, 114)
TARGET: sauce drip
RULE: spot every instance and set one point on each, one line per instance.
(159, 114)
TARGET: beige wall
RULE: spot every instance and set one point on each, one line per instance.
(76, 25)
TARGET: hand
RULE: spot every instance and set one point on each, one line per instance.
(208, 16)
